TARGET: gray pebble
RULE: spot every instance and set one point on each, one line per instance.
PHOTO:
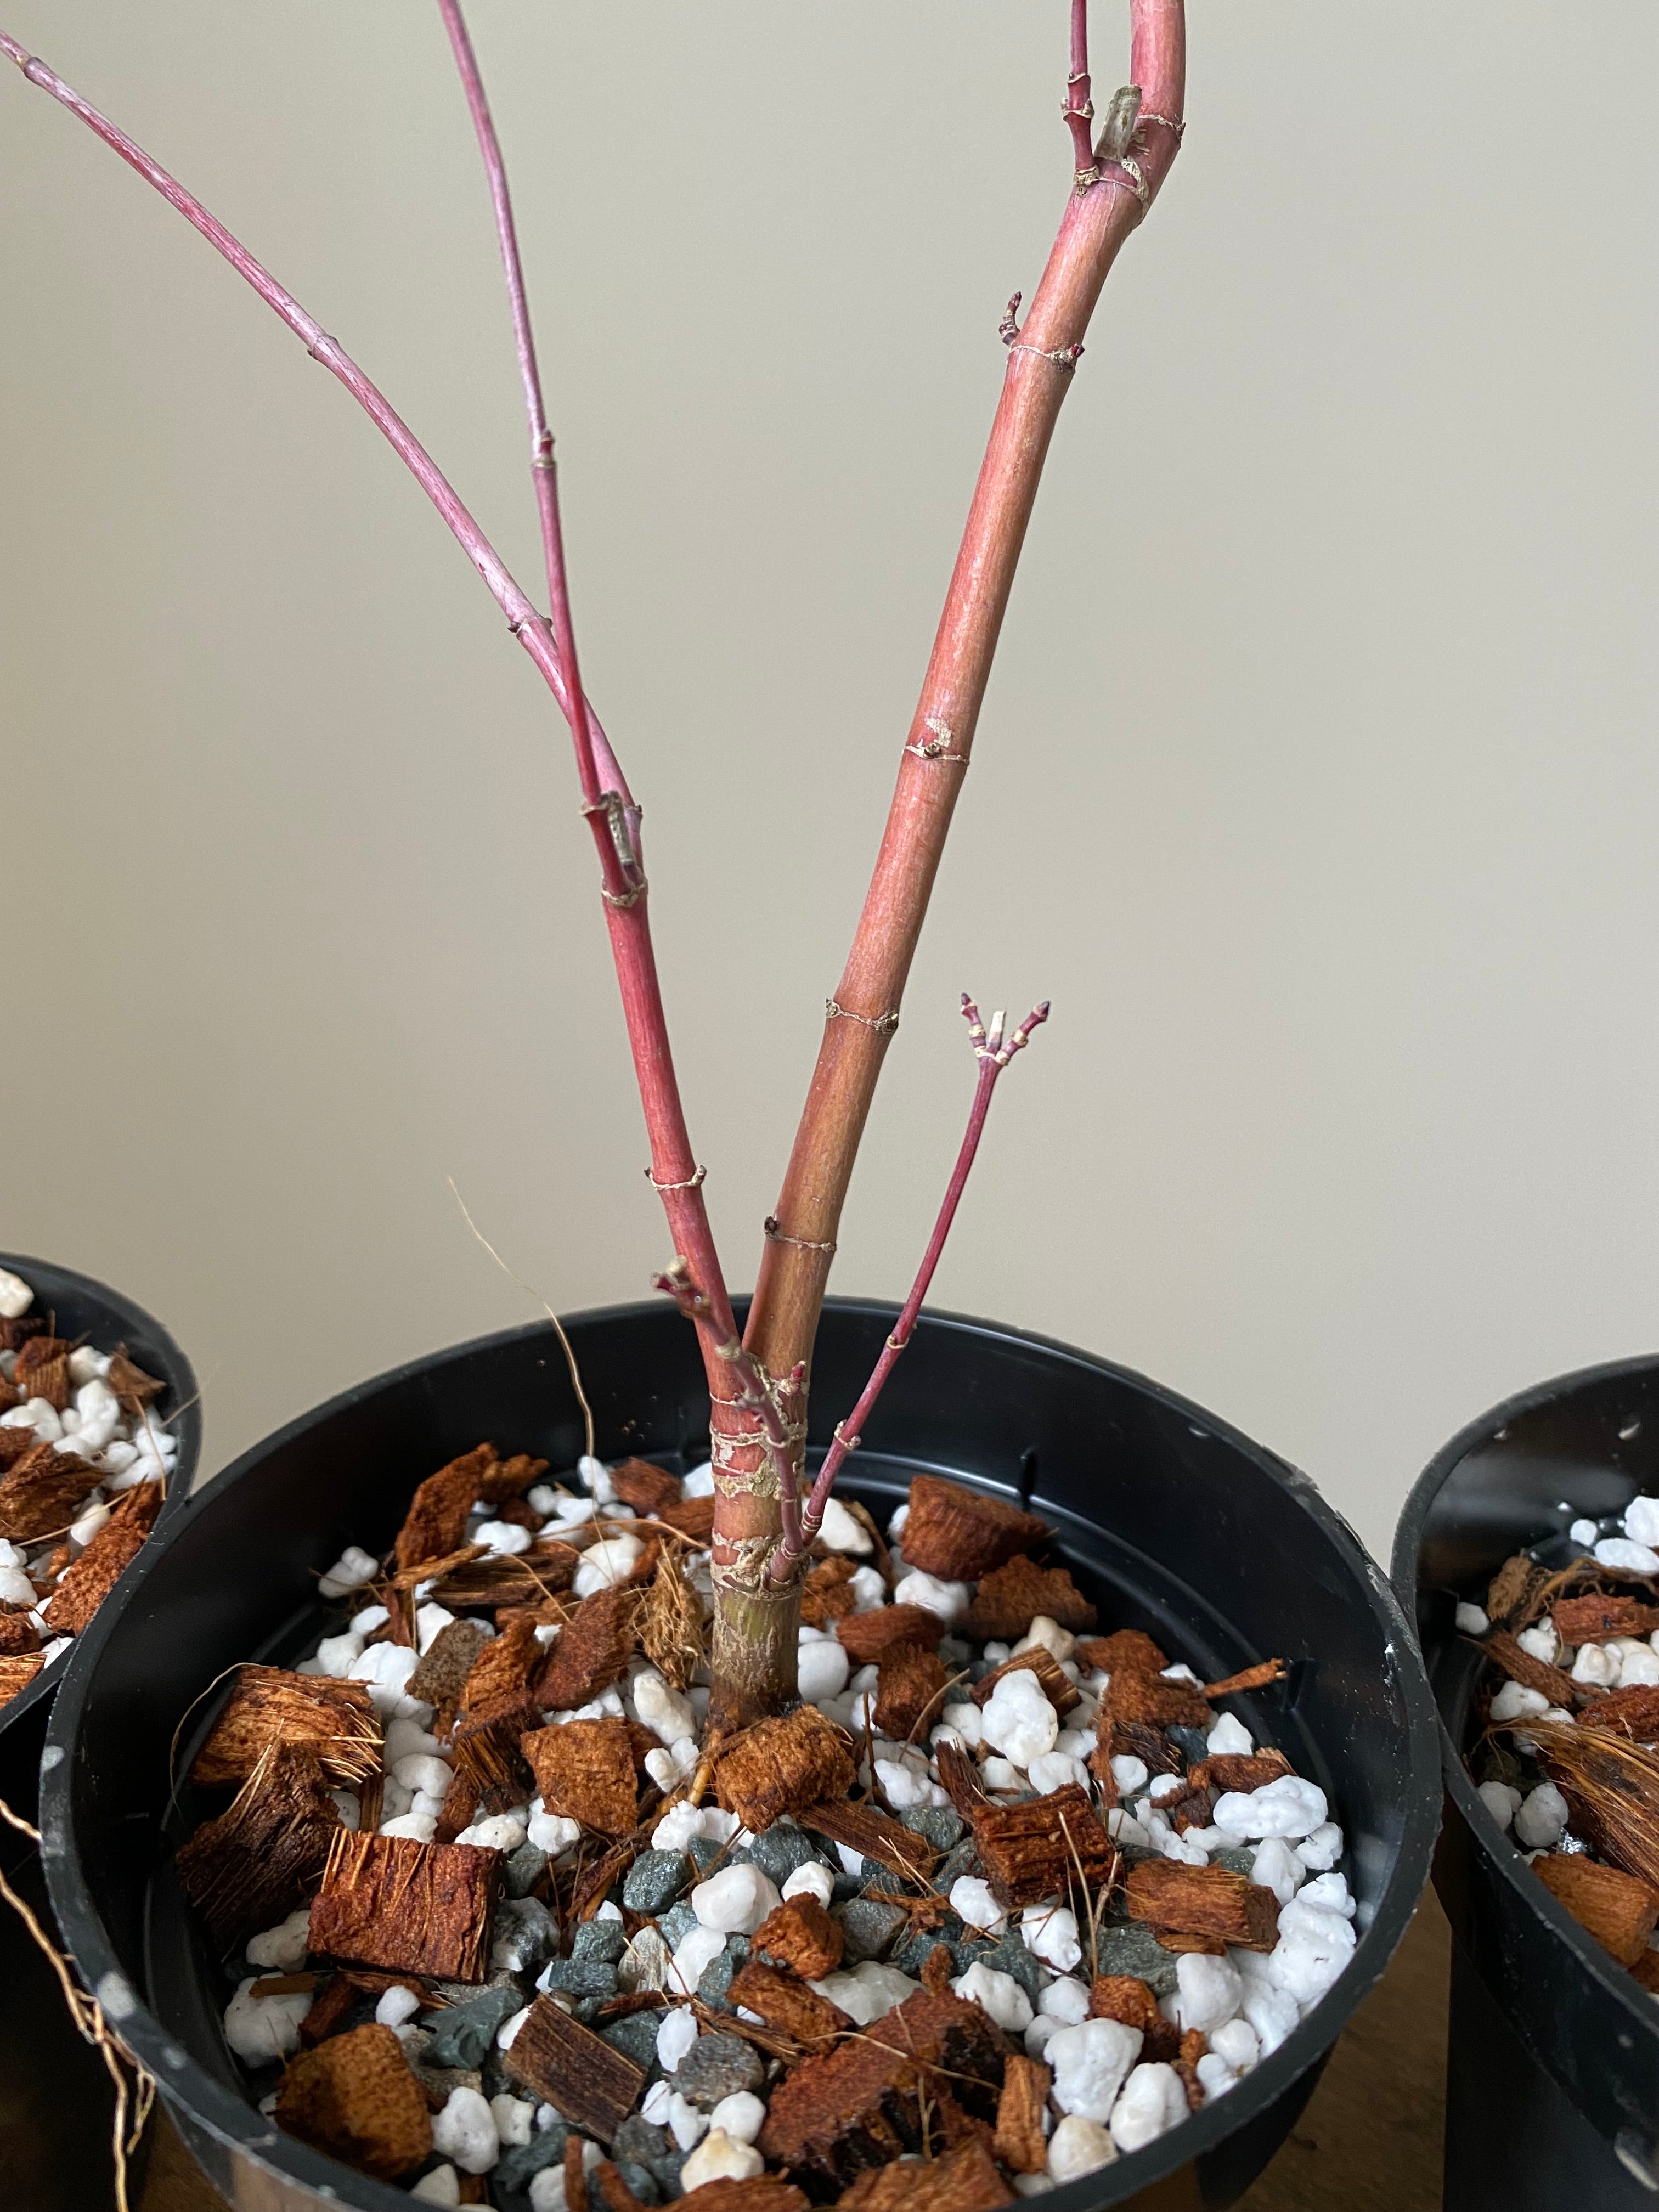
(604, 1939)
(941, 1825)
(581, 1977)
(654, 1881)
(514, 2167)
(868, 1928)
(635, 2037)
(780, 1850)
(525, 1868)
(462, 2034)
(525, 1936)
(718, 2066)
(1125, 1947)
(676, 1923)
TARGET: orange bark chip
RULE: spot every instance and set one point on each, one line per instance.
(409, 1907)
(960, 1534)
(585, 1771)
(354, 2098)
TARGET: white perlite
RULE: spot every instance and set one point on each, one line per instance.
(1151, 2103)
(1090, 2063)
(735, 1900)
(464, 2132)
(719, 2157)
(1078, 2147)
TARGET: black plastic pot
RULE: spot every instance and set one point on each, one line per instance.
(53, 2086)
(1173, 1522)
(1553, 2083)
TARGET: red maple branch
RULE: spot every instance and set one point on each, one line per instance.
(1078, 108)
(1098, 218)
(994, 1054)
(607, 804)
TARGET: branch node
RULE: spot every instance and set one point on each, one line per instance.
(691, 1182)
(883, 1024)
(804, 1244)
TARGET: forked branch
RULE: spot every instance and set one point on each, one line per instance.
(994, 1054)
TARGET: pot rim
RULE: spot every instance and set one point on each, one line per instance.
(224, 2114)
(1640, 2013)
(46, 1275)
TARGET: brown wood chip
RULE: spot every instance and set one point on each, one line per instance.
(800, 1934)
(1044, 1847)
(647, 1489)
(436, 1519)
(585, 1771)
(783, 2001)
(1512, 1589)
(88, 1581)
(1010, 1597)
(18, 1636)
(826, 1596)
(960, 1534)
(959, 1777)
(762, 2193)
(867, 1637)
(783, 1766)
(875, 1835)
(861, 2104)
(1152, 1702)
(1633, 1713)
(1619, 1910)
(1501, 1647)
(1123, 1997)
(592, 1651)
(17, 1673)
(1261, 1677)
(408, 1907)
(355, 2096)
(693, 1516)
(1125, 1651)
(40, 1490)
(1595, 1619)
(335, 1721)
(506, 1478)
(440, 1677)
(264, 1854)
(1210, 1903)
(1020, 2143)
(962, 2179)
(574, 2071)
(910, 1692)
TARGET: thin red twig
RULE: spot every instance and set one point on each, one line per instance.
(994, 1055)
(1078, 107)
(756, 1393)
(608, 806)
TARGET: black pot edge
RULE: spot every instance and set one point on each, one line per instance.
(228, 2117)
(1639, 2011)
(188, 1429)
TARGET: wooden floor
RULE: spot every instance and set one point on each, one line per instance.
(1370, 2140)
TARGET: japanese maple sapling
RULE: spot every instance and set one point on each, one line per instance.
(758, 1381)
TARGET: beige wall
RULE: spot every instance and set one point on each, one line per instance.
(1316, 785)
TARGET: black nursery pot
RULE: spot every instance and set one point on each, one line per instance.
(55, 2087)
(1171, 1521)
(1553, 2076)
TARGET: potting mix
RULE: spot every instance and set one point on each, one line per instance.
(85, 1455)
(1567, 1758)
(502, 1921)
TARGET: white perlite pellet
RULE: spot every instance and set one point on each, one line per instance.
(841, 1531)
(1634, 1559)
(1153, 2101)
(719, 2157)
(1078, 2146)
(998, 1995)
(735, 1900)
(464, 2132)
(262, 2029)
(1090, 2063)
